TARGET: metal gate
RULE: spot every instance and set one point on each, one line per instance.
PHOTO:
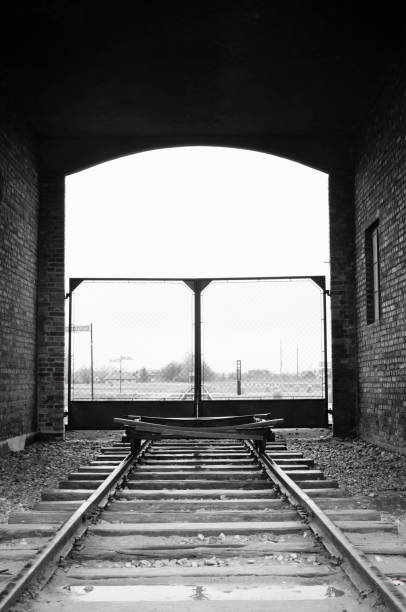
(197, 347)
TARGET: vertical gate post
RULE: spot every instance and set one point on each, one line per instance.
(91, 362)
(198, 348)
(69, 296)
(321, 283)
(325, 365)
(73, 283)
(197, 286)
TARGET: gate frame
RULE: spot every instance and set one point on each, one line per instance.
(198, 285)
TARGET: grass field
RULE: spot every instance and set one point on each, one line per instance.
(220, 389)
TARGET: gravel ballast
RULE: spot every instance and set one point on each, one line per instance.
(42, 465)
(359, 467)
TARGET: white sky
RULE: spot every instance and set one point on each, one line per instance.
(197, 211)
(193, 212)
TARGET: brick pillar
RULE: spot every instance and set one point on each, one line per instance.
(343, 312)
(51, 306)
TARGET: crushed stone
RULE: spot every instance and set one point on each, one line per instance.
(42, 464)
(363, 469)
(358, 466)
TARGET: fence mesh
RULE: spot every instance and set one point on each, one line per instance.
(262, 339)
(132, 340)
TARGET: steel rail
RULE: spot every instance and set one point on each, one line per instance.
(322, 526)
(65, 534)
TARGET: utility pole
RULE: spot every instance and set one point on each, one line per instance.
(71, 357)
(120, 360)
(238, 376)
(297, 362)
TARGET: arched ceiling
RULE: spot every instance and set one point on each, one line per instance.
(96, 79)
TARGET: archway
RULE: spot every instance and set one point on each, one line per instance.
(201, 212)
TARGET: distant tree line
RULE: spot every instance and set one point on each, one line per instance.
(182, 371)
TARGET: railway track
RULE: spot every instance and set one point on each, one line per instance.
(201, 525)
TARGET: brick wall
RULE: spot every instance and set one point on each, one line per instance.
(18, 280)
(51, 306)
(380, 193)
(344, 348)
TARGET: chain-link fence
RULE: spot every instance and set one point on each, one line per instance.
(131, 340)
(263, 339)
(135, 339)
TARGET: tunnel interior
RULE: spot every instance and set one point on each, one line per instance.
(322, 85)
